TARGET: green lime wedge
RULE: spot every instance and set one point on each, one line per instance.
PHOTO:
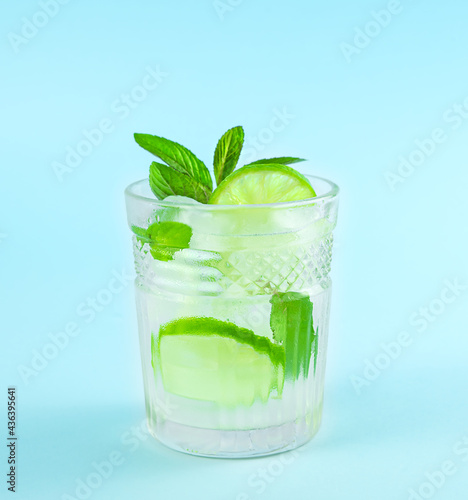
(211, 360)
(256, 184)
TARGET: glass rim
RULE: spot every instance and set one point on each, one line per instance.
(331, 194)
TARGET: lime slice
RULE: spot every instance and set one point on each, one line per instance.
(255, 184)
(212, 360)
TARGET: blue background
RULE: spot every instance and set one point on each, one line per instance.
(355, 112)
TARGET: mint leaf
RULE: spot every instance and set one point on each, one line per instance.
(167, 238)
(227, 153)
(283, 160)
(292, 324)
(165, 181)
(140, 233)
(176, 156)
(164, 238)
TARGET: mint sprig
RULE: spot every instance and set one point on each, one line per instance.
(164, 238)
(176, 156)
(183, 174)
(165, 181)
(227, 153)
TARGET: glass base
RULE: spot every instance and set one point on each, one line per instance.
(235, 443)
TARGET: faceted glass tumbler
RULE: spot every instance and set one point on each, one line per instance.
(233, 308)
